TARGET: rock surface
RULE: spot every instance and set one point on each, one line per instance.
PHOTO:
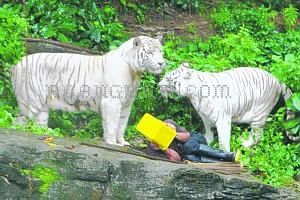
(31, 169)
(35, 45)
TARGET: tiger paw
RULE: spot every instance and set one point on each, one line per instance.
(114, 144)
(247, 143)
(110, 142)
(123, 143)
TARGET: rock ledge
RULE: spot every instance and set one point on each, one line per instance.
(31, 169)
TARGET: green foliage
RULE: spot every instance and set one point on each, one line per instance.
(216, 54)
(293, 124)
(77, 124)
(271, 160)
(240, 48)
(12, 29)
(280, 44)
(228, 18)
(7, 120)
(196, 51)
(287, 70)
(46, 175)
(290, 16)
(139, 10)
(38, 130)
(274, 4)
(192, 28)
(79, 22)
(187, 4)
(6, 117)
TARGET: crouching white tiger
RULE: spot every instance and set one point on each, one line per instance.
(105, 84)
(242, 95)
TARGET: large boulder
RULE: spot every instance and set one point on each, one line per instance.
(30, 168)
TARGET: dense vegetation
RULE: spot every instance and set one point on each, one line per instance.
(264, 35)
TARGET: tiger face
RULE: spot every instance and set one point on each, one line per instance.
(176, 81)
(149, 54)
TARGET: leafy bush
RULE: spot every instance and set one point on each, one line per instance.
(275, 4)
(216, 54)
(78, 124)
(280, 44)
(79, 22)
(266, 159)
(197, 52)
(187, 4)
(12, 29)
(38, 130)
(287, 70)
(290, 16)
(228, 18)
(138, 9)
(6, 117)
(293, 124)
(7, 120)
(240, 48)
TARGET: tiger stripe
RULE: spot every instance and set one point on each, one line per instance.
(253, 93)
(67, 82)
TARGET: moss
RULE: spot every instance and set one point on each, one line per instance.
(46, 175)
(122, 192)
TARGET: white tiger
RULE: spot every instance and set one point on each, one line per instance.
(105, 84)
(242, 95)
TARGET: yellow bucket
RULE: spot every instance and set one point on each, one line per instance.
(156, 131)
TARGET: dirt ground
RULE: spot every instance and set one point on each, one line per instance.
(171, 20)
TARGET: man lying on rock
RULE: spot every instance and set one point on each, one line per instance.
(190, 146)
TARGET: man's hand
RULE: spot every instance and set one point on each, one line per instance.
(172, 155)
(171, 125)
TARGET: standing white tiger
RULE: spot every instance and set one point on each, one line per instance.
(242, 95)
(105, 84)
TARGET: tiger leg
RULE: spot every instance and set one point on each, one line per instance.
(21, 120)
(110, 112)
(209, 134)
(26, 113)
(255, 134)
(224, 133)
(125, 112)
(41, 118)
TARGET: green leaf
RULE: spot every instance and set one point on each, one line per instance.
(63, 38)
(296, 129)
(296, 101)
(292, 123)
(290, 58)
(123, 2)
(49, 33)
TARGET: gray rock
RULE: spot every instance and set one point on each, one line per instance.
(31, 169)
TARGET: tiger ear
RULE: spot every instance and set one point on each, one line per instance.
(137, 43)
(187, 72)
(187, 75)
(186, 65)
(160, 38)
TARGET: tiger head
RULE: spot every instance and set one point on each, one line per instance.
(177, 81)
(146, 54)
